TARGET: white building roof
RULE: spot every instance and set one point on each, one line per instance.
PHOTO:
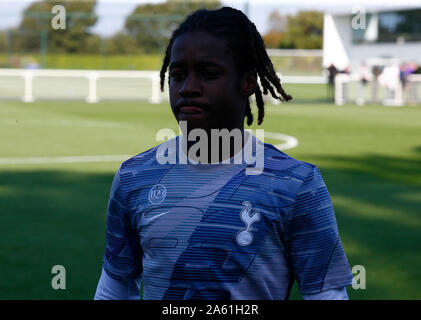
(355, 8)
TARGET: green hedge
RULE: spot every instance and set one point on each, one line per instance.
(286, 65)
(80, 61)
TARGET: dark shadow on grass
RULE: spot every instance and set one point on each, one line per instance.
(58, 218)
(377, 201)
(51, 218)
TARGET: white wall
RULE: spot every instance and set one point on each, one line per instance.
(336, 39)
(410, 51)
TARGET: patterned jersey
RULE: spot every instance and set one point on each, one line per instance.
(211, 231)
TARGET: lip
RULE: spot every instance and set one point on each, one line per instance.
(191, 104)
(191, 110)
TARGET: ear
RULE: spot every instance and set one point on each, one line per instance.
(249, 83)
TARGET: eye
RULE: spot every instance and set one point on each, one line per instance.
(210, 74)
(176, 75)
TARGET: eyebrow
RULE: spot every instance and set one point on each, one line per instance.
(203, 63)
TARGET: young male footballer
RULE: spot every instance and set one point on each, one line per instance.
(203, 229)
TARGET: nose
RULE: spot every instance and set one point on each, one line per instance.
(191, 86)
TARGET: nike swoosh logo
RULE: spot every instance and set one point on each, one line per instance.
(147, 220)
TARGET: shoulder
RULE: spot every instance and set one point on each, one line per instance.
(147, 158)
(138, 170)
(139, 159)
(280, 163)
(290, 177)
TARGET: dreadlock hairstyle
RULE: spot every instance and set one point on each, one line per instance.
(246, 44)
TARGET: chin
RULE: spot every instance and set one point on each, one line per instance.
(195, 121)
(196, 124)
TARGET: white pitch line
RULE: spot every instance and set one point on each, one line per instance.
(68, 123)
(70, 159)
(290, 141)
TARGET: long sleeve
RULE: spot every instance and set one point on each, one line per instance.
(112, 289)
(123, 254)
(122, 265)
(314, 248)
(333, 294)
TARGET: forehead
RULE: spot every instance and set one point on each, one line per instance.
(198, 47)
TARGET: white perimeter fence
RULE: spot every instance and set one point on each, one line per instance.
(93, 86)
(350, 89)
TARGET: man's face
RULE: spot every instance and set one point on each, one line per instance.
(205, 89)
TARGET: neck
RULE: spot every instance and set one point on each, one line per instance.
(214, 147)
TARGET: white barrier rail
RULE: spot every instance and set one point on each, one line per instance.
(29, 75)
(350, 89)
(89, 83)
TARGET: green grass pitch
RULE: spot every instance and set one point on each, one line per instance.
(54, 214)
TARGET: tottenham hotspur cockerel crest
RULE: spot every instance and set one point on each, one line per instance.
(245, 237)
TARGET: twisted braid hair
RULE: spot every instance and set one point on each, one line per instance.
(245, 43)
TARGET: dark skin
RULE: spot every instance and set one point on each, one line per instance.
(202, 74)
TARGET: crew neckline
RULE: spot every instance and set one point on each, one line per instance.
(193, 163)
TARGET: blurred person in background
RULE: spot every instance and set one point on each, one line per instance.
(409, 88)
(390, 79)
(332, 72)
(376, 71)
(365, 76)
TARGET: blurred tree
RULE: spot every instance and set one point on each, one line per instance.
(122, 43)
(305, 30)
(93, 44)
(151, 25)
(2, 41)
(302, 31)
(277, 22)
(36, 30)
(272, 39)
